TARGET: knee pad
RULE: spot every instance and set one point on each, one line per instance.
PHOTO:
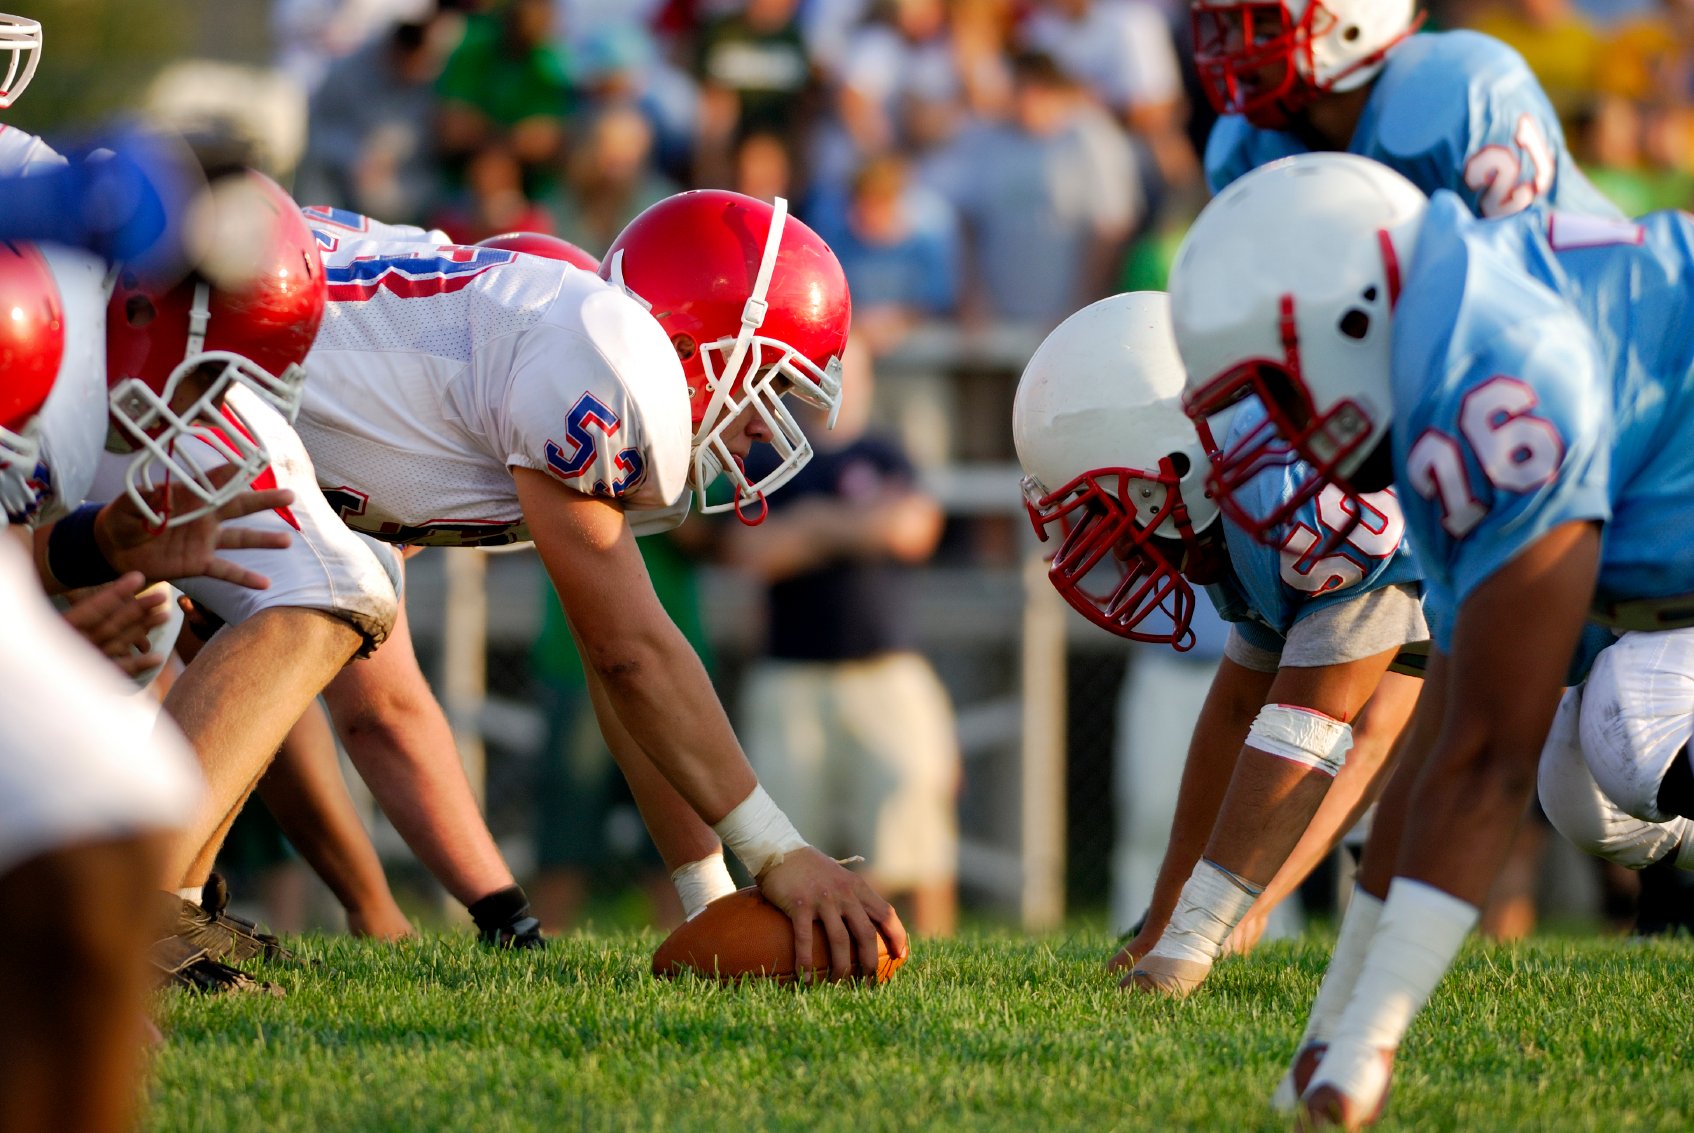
(1637, 717)
(1580, 810)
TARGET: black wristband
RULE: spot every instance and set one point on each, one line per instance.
(500, 908)
(72, 554)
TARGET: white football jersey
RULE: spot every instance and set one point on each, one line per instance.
(439, 368)
(81, 760)
(23, 152)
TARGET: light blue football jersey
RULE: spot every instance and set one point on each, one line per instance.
(1452, 110)
(1542, 374)
(1272, 587)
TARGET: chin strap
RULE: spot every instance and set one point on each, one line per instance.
(752, 317)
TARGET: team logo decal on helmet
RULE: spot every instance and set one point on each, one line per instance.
(172, 354)
(1267, 60)
(756, 306)
(1111, 463)
(1284, 291)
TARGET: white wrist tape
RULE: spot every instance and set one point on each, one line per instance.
(702, 882)
(759, 833)
(1416, 941)
(1301, 735)
(1212, 903)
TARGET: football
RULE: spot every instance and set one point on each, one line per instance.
(744, 936)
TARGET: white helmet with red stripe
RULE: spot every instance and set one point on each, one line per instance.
(1114, 469)
(1284, 290)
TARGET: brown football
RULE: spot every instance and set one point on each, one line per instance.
(744, 936)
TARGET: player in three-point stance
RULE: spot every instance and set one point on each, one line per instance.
(474, 396)
(1302, 713)
(1522, 383)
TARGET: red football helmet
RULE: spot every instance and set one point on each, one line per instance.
(20, 38)
(756, 306)
(255, 333)
(541, 244)
(32, 340)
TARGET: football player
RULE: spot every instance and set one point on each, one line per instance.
(89, 791)
(1524, 384)
(1449, 110)
(1115, 473)
(478, 396)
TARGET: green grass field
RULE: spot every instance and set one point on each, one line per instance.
(984, 1033)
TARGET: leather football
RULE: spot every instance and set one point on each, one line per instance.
(744, 936)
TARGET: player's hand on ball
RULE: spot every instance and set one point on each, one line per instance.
(810, 886)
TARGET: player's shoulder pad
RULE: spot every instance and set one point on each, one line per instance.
(1434, 84)
(640, 357)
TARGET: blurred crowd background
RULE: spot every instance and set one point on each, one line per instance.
(983, 168)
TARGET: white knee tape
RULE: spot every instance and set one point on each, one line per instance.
(1301, 735)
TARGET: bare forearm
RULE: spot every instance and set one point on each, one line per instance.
(680, 835)
(662, 696)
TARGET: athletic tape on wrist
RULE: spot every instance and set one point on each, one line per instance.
(1301, 735)
(758, 833)
(1212, 903)
(700, 883)
(72, 554)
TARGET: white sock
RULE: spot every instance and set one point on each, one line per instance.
(192, 893)
(1358, 926)
(1342, 975)
(1419, 935)
(1212, 903)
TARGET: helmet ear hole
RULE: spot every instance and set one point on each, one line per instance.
(1355, 324)
(684, 346)
(139, 311)
(1179, 463)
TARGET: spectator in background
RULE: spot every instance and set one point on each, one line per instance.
(1047, 200)
(898, 245)
(755, 77)
(608, 178)
(369, 145)
(311, 35)
(846, 724)
(1560, 45)
(620, 63)
(1124, 53)
(506, 86)
(901, 87)
(492, 200)
(762, 166)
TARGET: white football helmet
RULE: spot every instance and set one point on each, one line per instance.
(1109, 456)
(1284, 290)
(21, 39)
(1266, 60)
